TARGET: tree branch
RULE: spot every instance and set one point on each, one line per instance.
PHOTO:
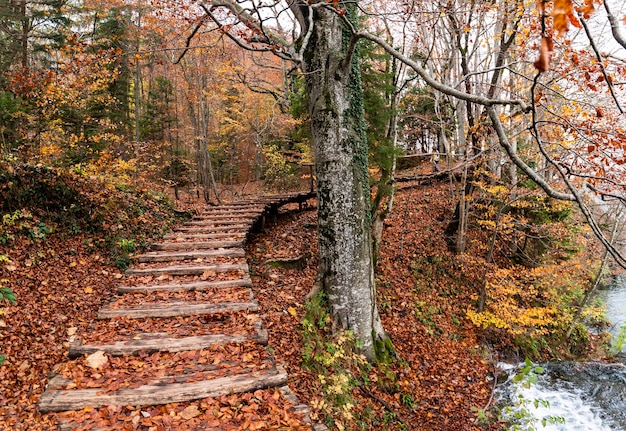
(271, 41)
(617, 35)
(189, 38)
(619, 258)
(530, 173)
(450, 91)
(607, 78)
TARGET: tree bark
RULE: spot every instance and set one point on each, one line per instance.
(345, 271)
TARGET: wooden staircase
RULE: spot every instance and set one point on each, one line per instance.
(184, 326)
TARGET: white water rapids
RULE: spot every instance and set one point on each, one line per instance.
(589, 396)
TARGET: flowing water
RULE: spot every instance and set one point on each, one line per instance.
(614, 296)
(587, 395)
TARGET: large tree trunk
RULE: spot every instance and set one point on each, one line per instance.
(345, 248)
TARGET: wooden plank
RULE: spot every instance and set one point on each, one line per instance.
(211, 222)
(177, 309)
(188, 270)
(217, 235)
(164, 344)
(61, 400)
(243, 228)
(228, 215)
(236, 204)
(257, 208)
(196, 245)
(197, 285)
(188, 255)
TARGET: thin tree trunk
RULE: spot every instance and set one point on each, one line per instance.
(205, 152)
(462, 206)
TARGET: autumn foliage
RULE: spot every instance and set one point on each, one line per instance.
(106, 130)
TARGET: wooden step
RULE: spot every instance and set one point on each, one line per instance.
(197, 285)
(227, 236)
(155, 394)
(257, 208)
(211, 222)
(236, 204)
(197, 245)
(188, 270)
(173, 309)
(239, 228)
(152, 343)
(188, 255)
(229, 215)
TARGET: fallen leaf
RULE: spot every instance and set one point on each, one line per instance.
(292, 311)
(190, 412)
(207, 274)
(97, 359)
(24, 366)
(88, 290)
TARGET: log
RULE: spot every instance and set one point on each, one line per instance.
(62, 400)
(177, 309)
(166, 344)
(177, 287)
(188, 255)
(188, 270)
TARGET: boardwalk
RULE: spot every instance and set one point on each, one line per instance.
(183, 326)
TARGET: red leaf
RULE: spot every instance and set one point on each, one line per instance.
(542, 64)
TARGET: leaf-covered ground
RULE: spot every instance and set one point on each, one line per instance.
(441, 375)
(62, 279)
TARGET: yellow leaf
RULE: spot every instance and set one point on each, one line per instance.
(88, 290)
(292, 311)
(73, 264)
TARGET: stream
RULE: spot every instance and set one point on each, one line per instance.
(577, 396)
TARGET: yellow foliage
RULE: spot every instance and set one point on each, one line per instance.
(529, 301)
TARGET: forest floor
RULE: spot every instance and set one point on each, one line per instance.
(440, 377)
(442, 373)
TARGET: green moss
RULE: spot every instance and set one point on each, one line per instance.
(384, 350)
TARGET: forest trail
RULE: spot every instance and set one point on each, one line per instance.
(183, 326)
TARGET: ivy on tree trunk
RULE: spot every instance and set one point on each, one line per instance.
(346, 272)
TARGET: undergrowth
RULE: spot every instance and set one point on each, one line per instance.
(38, 201)
(342, 372)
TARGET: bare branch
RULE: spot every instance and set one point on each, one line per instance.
(617, 35)
(189, 38)
(504, 143)
(268, 41)
(450, 91)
